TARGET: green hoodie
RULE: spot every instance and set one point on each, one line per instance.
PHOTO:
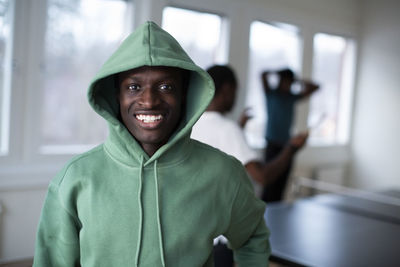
(116, 206)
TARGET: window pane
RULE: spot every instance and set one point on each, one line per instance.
(80, 36)
(333, 69)
(199, 33)
(272, 47)
(5, 73)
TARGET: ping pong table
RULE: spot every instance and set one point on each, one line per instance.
(335, 230)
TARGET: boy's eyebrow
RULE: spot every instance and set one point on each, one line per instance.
(167, 76)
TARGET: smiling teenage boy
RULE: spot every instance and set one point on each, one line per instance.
(150, 195)
(151, 100)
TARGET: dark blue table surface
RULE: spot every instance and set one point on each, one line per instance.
(332, 230)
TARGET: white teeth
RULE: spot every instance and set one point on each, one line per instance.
(148, 118)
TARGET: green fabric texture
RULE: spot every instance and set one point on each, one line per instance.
(116, 206)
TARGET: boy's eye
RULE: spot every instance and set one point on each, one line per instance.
(133, 87)
(166, 87)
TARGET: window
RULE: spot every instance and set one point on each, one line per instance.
(333, 69)
(200, 34)
(72, 40)
(272, 46)
(5, 73)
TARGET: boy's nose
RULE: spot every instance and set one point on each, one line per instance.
(149, 97)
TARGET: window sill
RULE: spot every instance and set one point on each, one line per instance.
(27, 177)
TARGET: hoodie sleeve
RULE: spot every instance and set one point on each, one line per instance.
(248, 234)
(57, 242)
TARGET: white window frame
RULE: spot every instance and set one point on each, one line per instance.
(223, 47)
(24, 164)
(5, 93)
(344, 100)
(254, 137)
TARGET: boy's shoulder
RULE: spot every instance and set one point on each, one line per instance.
(201, 147)
(217, 157)
(227, 169)
(80, 163)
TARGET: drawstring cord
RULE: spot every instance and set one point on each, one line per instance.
(140, 211)
(160, 242)
(158, 216)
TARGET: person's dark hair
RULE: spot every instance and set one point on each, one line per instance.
(286, 74)
(222, 74)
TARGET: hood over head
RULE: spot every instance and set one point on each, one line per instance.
(148, 45)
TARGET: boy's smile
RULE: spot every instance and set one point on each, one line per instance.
(151, 100)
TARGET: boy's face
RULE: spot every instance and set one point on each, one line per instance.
(151, 100)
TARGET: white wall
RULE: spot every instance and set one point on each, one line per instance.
(376, 142)
(18, 223)
(22, 190)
